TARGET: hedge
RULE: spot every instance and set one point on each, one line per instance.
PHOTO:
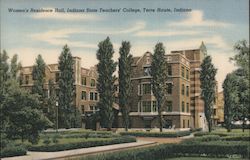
(157, 134)
(83, 144)
(164, 151)
(199, 134)
(12, 151)
(237, 138)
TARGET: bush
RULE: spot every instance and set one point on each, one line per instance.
(174, 150)
(46, 141)
(12, 151)
(237, 138)
(83, 144)
(199, 134)
(157, 134)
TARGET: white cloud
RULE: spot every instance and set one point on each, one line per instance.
(60, 38)
(65, 16)
(165, 33)
(130, 29)
(196, 18)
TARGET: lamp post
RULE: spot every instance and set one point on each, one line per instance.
(56, 116)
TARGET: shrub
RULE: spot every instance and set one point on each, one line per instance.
(12, 151)
(199, 134)
(157, 134)
(174, 150)
(55, 138)
(237, 138)
(46, 141)
(83, 144)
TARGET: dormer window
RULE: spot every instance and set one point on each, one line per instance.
(147, 71)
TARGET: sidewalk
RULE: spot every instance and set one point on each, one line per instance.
(75, 152)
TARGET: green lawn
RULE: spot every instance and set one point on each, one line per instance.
(234, 131)
(202, 158)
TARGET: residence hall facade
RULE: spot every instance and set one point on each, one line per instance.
(184, 108)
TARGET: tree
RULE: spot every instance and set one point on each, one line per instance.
(23, 117)
(230, 99)
(242, 58)
(159, 78)
(51, 103)
(38, 74)
(208, 85)
(66, 88)
(241, 79)
(125, 69)
(15, 66)
(242, 109)
(106, 67)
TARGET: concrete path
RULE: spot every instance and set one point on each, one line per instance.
(75, 152)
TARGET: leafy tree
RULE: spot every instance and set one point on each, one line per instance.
(4, 68)
(125, 69)
(242, 109)
(24, 119)
(106, 67)
(230, 99)
(242, 58)
(15, 66)
(38, 75)
(51, 103)
(66, 88)
(159, 78)
(208, 84)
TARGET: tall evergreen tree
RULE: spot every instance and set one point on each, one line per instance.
(159, 79)
(125, 69)
(230, 99)
(38, 75)
(51, 103)
(106, 68)
(208, 85)
(15, 66)
(66, 88)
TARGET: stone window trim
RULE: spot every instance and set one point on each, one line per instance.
(152, 104)
(141, 89)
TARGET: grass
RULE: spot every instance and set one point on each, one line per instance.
(233, 131)
(202, 158)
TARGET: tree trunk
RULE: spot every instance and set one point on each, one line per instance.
(243, 126)
(160, 116)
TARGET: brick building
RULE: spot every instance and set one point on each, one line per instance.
(184, 108)
(85, 84)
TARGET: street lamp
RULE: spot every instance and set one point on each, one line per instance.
(56, 116)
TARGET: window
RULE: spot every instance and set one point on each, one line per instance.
(82, 107)
(182, 89)
(187, 107)
(146, 88)
(96, 96)
(184, 123)
(26, 79)
(147, 71)
(169, 70)
(92, 83)
(92, 108)
(169, 106)
(188, 124)
(182, 72)
(154, 106)
(57, 77)
(214, 112)
(91, 96)
(183, 106)
(187, 74)
(84, 81)
(187, 90)
(84, 95)
(146, 106)
(169, 89)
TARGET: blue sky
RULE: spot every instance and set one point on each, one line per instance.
(219, 23)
